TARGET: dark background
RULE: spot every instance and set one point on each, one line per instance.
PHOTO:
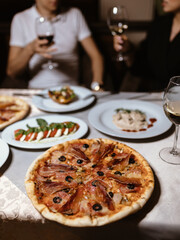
(114, 72)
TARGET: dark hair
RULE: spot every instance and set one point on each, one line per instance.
(63, 7)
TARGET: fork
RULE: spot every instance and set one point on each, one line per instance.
(45, 95)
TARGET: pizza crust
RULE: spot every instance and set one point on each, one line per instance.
(85, 221)
(19, 115)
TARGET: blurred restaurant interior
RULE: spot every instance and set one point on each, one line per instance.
(141, 14)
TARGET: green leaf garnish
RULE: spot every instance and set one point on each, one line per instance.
(41, 122)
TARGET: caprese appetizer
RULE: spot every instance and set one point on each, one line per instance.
(45, 130)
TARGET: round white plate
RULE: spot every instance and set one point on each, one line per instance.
(4, 152)
(8, 133)
(49, 105)
(100, 117)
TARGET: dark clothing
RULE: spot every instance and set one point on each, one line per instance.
(158, 59)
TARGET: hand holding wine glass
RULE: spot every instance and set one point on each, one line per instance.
(45, 31)
(117, 22)
(171, 104)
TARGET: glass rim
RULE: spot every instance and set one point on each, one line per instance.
(175, 77)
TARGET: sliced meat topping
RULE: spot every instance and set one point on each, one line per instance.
(73, 205)
(50, 169)
(100, 151)
(77, 153)
(124, 180)
(53, 187)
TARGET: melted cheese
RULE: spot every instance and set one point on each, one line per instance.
(40, 136)
(66, 131)
(58, 133)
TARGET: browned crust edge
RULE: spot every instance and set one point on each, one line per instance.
(20, 115)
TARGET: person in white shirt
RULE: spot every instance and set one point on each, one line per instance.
(29, 52)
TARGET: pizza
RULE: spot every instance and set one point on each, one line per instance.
(63, 96)
(12, 109)
(89, 182)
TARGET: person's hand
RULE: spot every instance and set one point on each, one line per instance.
(41, 47)
(121, 43)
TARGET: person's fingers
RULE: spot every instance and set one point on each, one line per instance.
(43, 50)
(117, 42)
(42, 42)
(49, 50)
(118, 39)
(46, 55)
(124, 38)
(117, 45)
(121, 42)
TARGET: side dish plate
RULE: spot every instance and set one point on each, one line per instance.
(48, 105)
(101, 116)
(8, 133)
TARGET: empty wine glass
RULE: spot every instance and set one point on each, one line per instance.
(117, 22)
(44, 30)
(171, 104)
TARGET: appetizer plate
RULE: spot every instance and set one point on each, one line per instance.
(4, 152)
(8, 133)
(101, 118)
(48, 105)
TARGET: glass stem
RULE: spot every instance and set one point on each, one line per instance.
(174, 149)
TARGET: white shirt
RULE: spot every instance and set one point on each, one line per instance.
(69, 27)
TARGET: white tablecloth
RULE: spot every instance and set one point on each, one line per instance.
(159, 218)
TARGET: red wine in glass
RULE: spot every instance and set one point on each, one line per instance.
(44, 30)
(49, 38)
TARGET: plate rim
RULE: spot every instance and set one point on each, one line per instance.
(86, 102)
(93, 111)
(12, 142)
(7, 151)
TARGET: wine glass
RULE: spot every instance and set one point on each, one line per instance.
(171, 104)
(117, 19)
(44, 30)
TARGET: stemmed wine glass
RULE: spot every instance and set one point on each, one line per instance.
(171, 104)
(44, 30)
(117, 21)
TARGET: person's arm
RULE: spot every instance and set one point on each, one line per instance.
(96, 59)
(19, 57)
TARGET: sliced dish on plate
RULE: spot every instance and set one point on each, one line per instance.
(79, 99)
(64, 95)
